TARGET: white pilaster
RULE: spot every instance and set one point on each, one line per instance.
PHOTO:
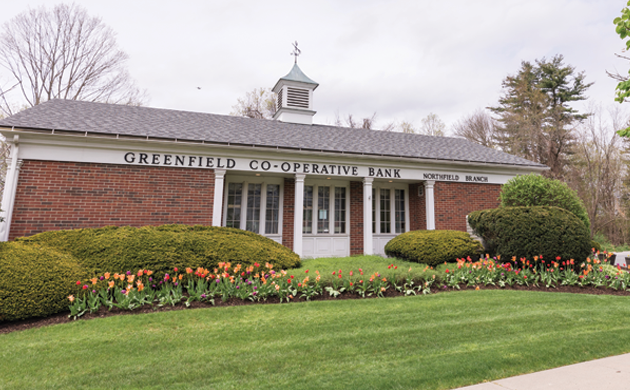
(430, 204)
(217, 207)
(368, 240)
(10, 186)
(9, 216)
(298, 214)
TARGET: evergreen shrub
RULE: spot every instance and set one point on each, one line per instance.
(537, 190)
(433, 247)
(161, 248)
(532, 231)
(596, 245)
(35, 280)
(38, 273)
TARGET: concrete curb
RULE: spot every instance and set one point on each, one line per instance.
(611, 373)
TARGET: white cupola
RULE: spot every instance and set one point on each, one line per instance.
(295, 97)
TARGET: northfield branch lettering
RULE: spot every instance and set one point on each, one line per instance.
(285, 166)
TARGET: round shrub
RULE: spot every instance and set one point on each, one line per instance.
(432, 247)
(36, 280)
(537, 190)
(596, 245)
(161, 248)
(532, 231)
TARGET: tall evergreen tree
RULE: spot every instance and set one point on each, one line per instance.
(535, 118)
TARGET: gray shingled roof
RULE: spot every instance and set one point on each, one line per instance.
(101, 118)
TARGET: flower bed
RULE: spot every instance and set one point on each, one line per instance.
(130, 291)
(539, 272)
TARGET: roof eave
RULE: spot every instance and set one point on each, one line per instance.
(180, 141)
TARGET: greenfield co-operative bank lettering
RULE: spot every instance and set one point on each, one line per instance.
(160, 159)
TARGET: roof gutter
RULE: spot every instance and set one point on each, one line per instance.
(146, 138)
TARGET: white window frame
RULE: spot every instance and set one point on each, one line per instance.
(331, 220)
(246, 181)
(376, 220)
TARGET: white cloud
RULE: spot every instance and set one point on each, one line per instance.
(401, 59)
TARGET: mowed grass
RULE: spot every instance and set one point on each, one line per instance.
(369, 265)
(438, 341)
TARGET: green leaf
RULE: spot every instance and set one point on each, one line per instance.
(624, 132)
(617, 20)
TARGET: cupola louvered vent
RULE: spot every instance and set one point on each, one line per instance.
(297, 97)
(279, 101)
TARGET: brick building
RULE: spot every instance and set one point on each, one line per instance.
(320, 190)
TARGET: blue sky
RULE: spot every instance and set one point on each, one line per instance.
(400, 59)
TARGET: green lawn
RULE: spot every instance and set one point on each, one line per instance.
(438, 341)
(369, 265)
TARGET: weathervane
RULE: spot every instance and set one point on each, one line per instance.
(296, 52)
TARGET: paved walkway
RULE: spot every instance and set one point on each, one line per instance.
(611, 373)
(621, 259)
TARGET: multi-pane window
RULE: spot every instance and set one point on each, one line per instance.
(307, 223)
(388, 209)
(260, 202)
(327, 206)
(374, 210)
(323, 208)
(233, 214)
(273, 209)
(386, 212)
(253, 207)
(399, 210)
(340, 210)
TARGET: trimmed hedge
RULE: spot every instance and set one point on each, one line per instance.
(433, 247)
(161, 248)
(537, 190)
(532, 231)
(36, 280)
(596, 245)
(38, 273)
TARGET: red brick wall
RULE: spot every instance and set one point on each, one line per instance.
(287, 213)
(453, 201)
(356, 218)
(61, 195)
(417, 207)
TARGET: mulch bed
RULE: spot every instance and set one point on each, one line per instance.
(62, 318)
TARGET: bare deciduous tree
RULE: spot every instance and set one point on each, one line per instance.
(259, 104)
(407, 127)
(364, 123)
(598, 170)
(432, 125)
(479, 127)
(64, 53)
